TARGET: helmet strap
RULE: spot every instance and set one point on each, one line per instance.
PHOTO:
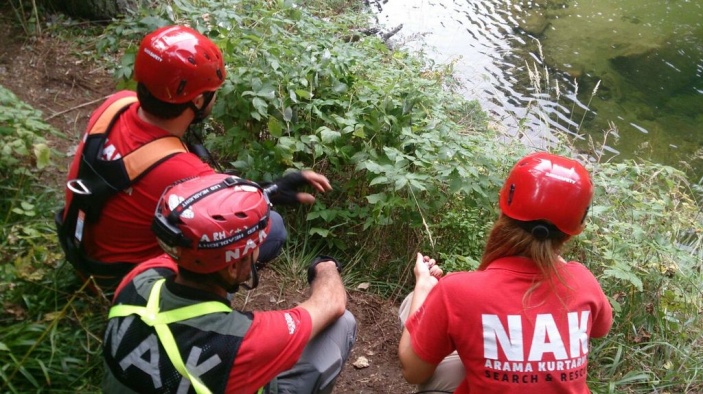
(254, 276)
(200, 114)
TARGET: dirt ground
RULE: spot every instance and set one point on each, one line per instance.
(377, 335)
(46, 73)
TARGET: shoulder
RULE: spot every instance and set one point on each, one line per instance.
(105, 104)
(161, 266)
(457, 278)
(117, 96)
(113, 98)
(121, 94)
(180, 166)
(581, 275)
(577, 268)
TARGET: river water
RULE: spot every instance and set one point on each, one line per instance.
(627, 72)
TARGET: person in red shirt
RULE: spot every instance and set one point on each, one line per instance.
(171, 327)
(178, 72)
(520, 323)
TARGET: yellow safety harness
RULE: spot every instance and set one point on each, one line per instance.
(153, 317)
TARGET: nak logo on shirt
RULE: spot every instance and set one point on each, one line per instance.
(146, 355)
(504, 347)
(109, 152)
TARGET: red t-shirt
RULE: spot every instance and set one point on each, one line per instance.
(507, 339)
(123, 231)
(273, 343)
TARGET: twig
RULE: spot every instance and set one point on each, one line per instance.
(424, 222)
(77, 107)
(588, 105)
(386, 36)
(37, 24)
(20, 16)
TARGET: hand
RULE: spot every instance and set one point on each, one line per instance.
(427, 270)
(319, 182)
(312, 269)
(284, 191)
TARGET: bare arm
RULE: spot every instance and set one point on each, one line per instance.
(328, 299)
(414, 369)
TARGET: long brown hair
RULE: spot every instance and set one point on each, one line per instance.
(507, 239)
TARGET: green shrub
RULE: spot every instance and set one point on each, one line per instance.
(643, 241)
(48, 332)
(384, 126)
(24, 154)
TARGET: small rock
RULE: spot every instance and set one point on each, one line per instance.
(363, 286)
(361, 362)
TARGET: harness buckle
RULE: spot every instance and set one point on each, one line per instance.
(78, 187)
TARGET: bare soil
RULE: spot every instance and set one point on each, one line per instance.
(50, 74)
(378, 332)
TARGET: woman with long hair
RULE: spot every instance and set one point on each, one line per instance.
(520, 323)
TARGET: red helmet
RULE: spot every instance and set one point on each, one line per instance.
(208, 223)
(176, 64)
(543, 186)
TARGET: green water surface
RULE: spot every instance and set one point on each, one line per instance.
(648, 57)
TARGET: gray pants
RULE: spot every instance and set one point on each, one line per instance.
(322, 360)
(273, 244)
(450, 371)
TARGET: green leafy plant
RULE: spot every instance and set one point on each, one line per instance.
(48, 332)
(24, 154)
(643, 241)
(384, 126)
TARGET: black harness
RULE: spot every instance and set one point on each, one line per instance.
(97, 181)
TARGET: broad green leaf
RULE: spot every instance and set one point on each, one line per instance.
(275, 127)
(319, 231)
(42, 154)
(328, 135)
(375, 198)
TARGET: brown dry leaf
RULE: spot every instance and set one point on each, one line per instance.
(14, 310)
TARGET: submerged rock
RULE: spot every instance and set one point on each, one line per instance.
(664, 71)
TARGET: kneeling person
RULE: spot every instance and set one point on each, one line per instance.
(171, 328)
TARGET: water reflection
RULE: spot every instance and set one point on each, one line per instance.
(545, 67)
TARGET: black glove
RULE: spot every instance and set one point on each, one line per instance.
(284, 191)
(319, 259)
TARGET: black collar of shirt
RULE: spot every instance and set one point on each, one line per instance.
(192, 293)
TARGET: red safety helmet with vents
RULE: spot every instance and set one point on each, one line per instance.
(176, 64)
(208, 223)
(544, 186)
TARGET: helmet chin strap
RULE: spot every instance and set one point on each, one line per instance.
(233, 288)
(254, 275)
(200, 114)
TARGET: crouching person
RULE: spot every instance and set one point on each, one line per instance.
(171, 328)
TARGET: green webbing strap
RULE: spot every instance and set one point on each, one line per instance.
(151, 315)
